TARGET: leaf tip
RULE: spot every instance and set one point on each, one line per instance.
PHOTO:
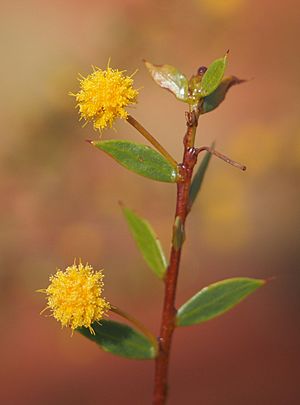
(236, 80)
(147, 64)
(91, 142)
(269, 280)
(226, 58)
(261, 281)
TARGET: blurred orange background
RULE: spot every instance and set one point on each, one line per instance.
(59, 198)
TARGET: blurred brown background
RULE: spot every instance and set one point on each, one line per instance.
(59, 198)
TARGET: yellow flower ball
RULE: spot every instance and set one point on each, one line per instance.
(75, 297)
(103, 96)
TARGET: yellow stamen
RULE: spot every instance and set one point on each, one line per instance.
(74, 297)
(103, 96)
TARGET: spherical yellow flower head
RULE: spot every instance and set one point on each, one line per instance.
(74, 296)
(104, 95)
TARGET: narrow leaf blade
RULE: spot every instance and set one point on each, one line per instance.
(198, 178)
(140, 159)
(147, 242)
(170, 78)
(217, 97)
(216, 299)
(121, 340)
(213, 76)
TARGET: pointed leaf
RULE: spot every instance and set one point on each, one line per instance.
(140, 159)
(121, 340)
(147, 242)
(216, 299)
(212, 77)
(198, 178)
(170, 78)
(216, 97)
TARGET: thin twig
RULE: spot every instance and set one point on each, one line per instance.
(221, 156)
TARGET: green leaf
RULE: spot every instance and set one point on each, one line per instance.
(198, 178)
(216, 299)
(121, 340)
(140, 159)
(170, 78)
(216, 97)
(212, 77)
(147, 242)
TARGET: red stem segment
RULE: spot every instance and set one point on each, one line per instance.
(168, 322)
(169, 311)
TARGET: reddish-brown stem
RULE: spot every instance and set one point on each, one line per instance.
(169, 310)
(168, 321)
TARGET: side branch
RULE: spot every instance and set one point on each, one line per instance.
(221, 156)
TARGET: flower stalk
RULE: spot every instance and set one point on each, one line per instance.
(139, 325)
(132, 121)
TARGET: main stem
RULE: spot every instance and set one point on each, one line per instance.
(169, 310)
